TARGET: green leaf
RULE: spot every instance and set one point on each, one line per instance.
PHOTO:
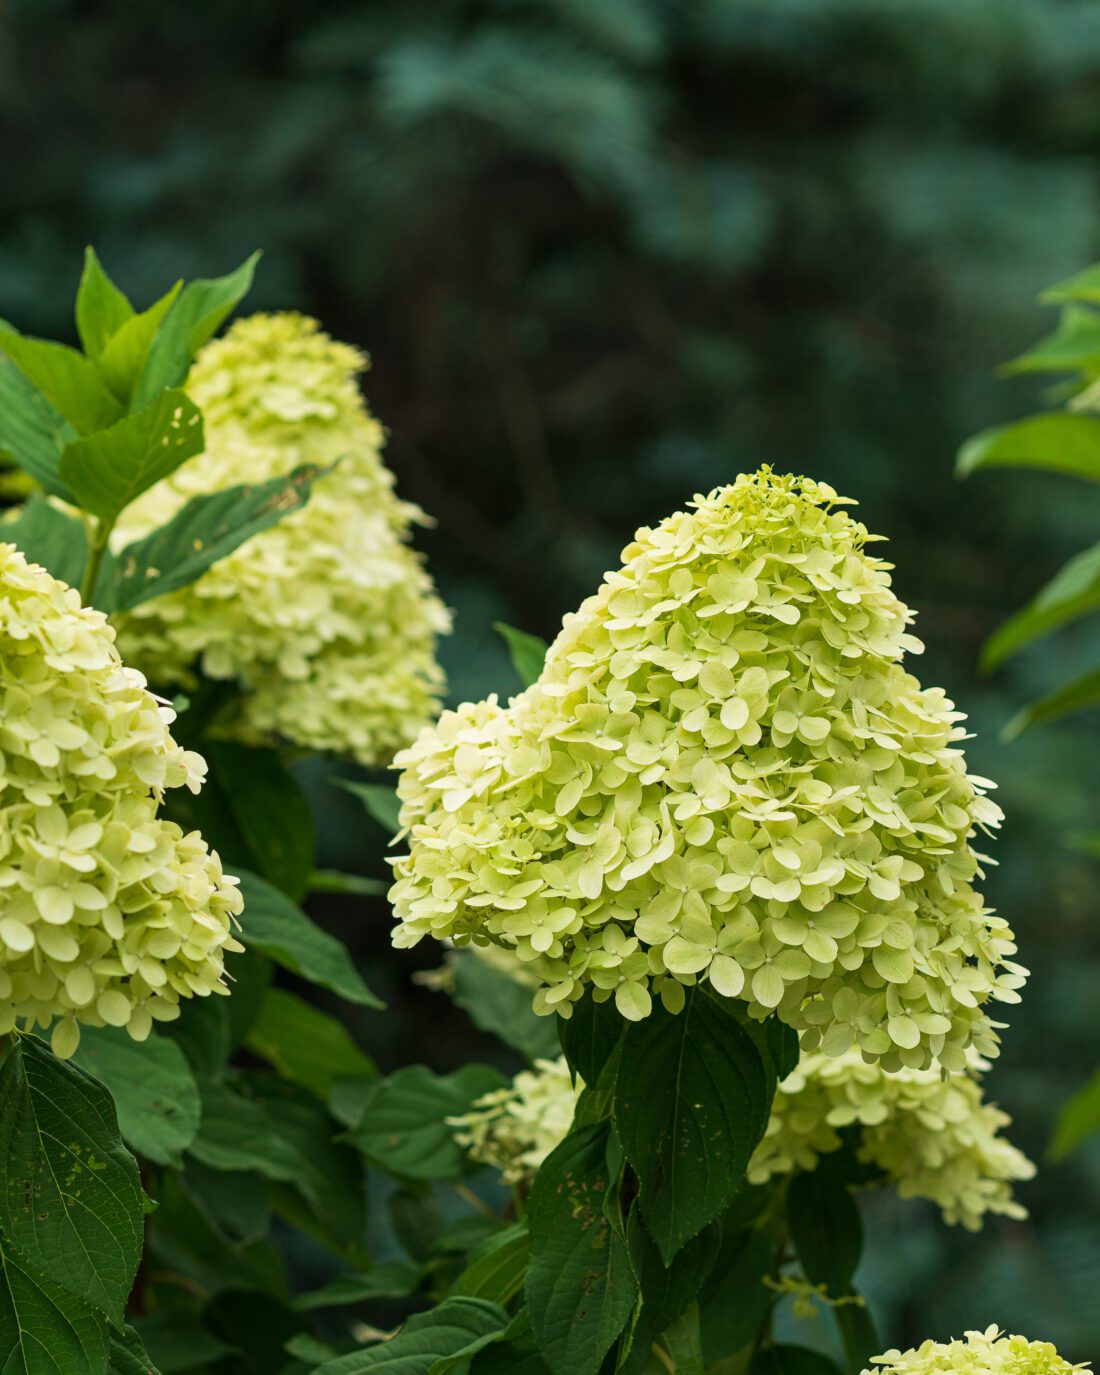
(380, 800)
(1074, 591)
(499, 1005)
(276, 927)
(32, 432)
(67, 380)
(233, 1202)
(1082, 286)
(206, 529)
(403, 1127)
(305, 1045)
(580, 1288)
(129, 1356)
(692, 1101)
(1079, 1119)
(123, 357)
(857, 1331)
(497, 1268)
(351, 885)
(70, 1199)
(1073, 347)
(195, 315)
(668, 1291)
(1078, 695)
(590, 1035)
(178, 1341)
(270, 812)
(682, 1342)
(745, 1257)
(528, 652)
(101, 309)
(393, 1280)
(791, 1360)
(43, 1329)
(826, 1230)
(455, 1326)
(108, 470)
(154, 1091)
(49, 537)
(1058, 442)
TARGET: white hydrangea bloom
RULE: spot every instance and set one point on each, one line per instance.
(724, 773)
(514, 1129)
(328, 621)
(932, 1136)
(109, 914)
(979, 1353)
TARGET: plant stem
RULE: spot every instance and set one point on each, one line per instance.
(101, 533)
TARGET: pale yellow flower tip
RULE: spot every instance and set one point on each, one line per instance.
(724, 773)
(328, 621)
(514, 1129)
(109, 914)
(979, 1353)
(932, 1136)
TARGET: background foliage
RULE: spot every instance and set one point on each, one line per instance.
(610, 252)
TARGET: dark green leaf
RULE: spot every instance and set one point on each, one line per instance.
(1079, 1119)
(67, 380)
(206, 529)
(351, 885)
(306, 1045)
(107, 470)
(233, 1202)
(791, 1360)
(124, 356)
(270, 812)
(154, 1091)
(734, 1302)
(497, 1268)
(202, 1032)
(129, 1356)
(101, 309)
(454, 1326)
(393, 1280)
(500, 1005)
(667, 1290)
(1059, 442)
(581, 1289)
(32, 432)
(49, 537)
(43, 1329)
(590, 1035)
(276, 927)
(196, 314)
(70, 1198)
(826, 1230)
(692, 1100)
(528, 652)
(178, 1341)
(857, 1331)
(682, 1342)
(1078, 695)
(403, 1124)
(1073, 591)
(380, 800)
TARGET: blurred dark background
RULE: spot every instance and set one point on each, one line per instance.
(606, 254)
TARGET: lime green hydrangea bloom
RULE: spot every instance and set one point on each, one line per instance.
(514, 1129)
(109, 915)
(328, 621)
(932, 1136)
(724, 773)
(979, 1353)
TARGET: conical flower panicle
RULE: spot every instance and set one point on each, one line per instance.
(979, 1353)
(109, 915)
(724, 773)
(327, 621)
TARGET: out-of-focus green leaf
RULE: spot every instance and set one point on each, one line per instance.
(1083, 692)
(178, 1341)
(32, 431)
(1074, 346)
(1082, 286)
(1073, 591)
(380, 800)
(502, 1006)
(456, 1327)
(1055, 443)
(101, 309)
(306, 1045)
(68, 381)
(392, 1280)
(528, 652)
(1079, 1119)
(125, 353)
(49, 537)
(270, 813)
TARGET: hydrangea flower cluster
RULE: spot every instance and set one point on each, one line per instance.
(979, 1353)
(932, 1136)
(514, 1129)
(724, 773)
(109, 914)
(328, 621)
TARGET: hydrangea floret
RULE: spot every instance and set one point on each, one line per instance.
(932, 1136)
(724, 773)
(515, 1128)
(327, 621)
(979, 1353)
(109, 914)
